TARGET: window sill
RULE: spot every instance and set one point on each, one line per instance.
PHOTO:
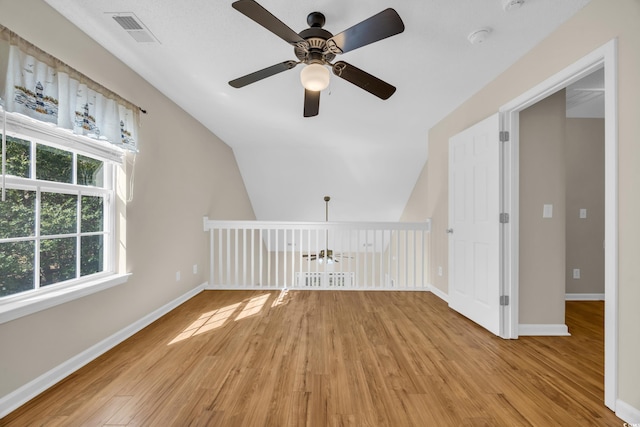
(24, 305)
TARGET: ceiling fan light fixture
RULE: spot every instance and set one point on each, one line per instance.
(315, 77)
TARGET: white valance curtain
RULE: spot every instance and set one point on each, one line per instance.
(42, 87)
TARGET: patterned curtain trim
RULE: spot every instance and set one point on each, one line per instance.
(42, 87)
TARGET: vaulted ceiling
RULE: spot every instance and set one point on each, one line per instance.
(364, 152)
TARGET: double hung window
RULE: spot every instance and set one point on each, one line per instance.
(56, 222)
(65, 137)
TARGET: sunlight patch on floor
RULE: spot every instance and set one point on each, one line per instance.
(207, 322)
(281, 298)
(253, 306)
(217, 318)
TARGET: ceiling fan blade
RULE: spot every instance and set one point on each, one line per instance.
(385, 24)
(262, 16)
(262, 74)
(311, 102)
(364, 80)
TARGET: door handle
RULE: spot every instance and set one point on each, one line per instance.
(450, 230)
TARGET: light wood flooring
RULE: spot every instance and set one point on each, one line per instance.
(324, 358)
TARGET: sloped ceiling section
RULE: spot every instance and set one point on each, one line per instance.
(364, 152)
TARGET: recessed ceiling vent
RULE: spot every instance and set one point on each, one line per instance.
(132, 25)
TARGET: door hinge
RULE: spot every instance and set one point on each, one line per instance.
(504, 218)
(504, 299)
(504, 135)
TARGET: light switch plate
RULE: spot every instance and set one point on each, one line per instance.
(583, 213)
(547, 211)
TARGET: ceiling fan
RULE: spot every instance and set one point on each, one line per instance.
(316, 48)
(325, 255)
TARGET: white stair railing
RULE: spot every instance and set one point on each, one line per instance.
(277, 255)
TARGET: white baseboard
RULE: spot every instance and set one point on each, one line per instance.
(242, 288)
(555, 330)
(312, 288)
(627, 413)
(584, 297)
(437, 292)
(22, 395)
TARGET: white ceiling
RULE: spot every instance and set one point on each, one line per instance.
(364, 152)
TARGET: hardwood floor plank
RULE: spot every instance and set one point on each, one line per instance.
(256, 358)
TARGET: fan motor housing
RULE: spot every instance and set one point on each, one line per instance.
(317, 38)
(317, 51)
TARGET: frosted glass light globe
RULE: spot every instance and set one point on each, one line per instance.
(315, 77)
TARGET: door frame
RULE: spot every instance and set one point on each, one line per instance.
(605, 56)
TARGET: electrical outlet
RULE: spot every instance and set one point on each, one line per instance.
(195, 268)
(178, 276)
(576, 273)
(439, 270)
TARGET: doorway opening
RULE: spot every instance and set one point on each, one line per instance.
(602, 58)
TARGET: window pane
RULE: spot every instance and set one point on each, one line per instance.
(91, 260)
(58, 213)
(90, 171)
(57, 260)
(18, 157)
(16, 267)
(92, 214)
(53, 164)
(17, 214)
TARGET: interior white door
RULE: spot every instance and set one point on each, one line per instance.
(474, 223)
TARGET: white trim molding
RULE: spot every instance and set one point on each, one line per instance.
(604, 56)
(584, 297)
(22, 395)
(31, 302)
(437, 292)
(627, 413)
(546, 330)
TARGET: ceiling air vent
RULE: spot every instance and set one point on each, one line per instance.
(132, 25)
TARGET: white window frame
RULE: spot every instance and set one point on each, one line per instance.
(32, 301)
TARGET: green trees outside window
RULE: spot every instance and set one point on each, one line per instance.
(52, 222)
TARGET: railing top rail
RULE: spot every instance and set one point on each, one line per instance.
(210, 224)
